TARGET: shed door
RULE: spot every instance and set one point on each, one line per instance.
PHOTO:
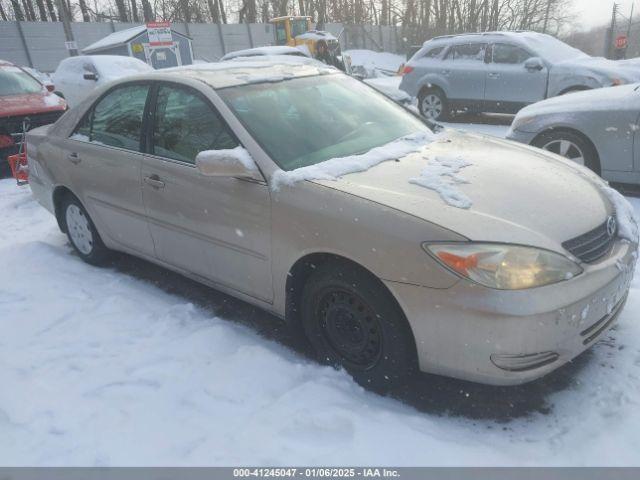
(164, 56)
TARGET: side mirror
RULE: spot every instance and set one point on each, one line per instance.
(234, 162)
(50, 87)
(90, 76)
(534, 63)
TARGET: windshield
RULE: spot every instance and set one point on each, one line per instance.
(308, 120)
(551, 49)
(15, 81)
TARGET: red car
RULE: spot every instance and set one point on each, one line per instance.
(24, 103)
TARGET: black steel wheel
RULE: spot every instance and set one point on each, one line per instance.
(352, 321)
(350, 327)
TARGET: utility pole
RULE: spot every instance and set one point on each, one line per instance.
(629, 30)
(66, 25)
(546, 17)
(611, 33)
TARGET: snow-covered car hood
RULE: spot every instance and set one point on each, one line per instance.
(30, 103)
(513, 193)
(602, 99)
(600, 67)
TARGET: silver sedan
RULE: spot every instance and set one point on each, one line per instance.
(599, 129)
(305, 192)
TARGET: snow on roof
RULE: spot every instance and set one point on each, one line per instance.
(116, 38)
(267, 50)
(242, 71)
(120, 37)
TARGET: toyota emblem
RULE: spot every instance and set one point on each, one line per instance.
(611, 226)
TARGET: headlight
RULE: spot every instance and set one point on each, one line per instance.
(505, 267)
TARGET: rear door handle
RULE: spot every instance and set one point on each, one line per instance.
(446, 72)
(74, 158)
(154, 181)
(494, 75)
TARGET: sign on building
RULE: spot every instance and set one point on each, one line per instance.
(159, 34)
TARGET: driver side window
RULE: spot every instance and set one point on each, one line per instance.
(509, 54)
(186, 124)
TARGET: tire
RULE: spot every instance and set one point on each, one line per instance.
(569, 145)
(5, 169)
(82, 233)
(352, 321)
(433, 104)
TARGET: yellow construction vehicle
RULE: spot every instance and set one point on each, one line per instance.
(297, 32)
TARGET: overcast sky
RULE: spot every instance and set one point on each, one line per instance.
(591, 13)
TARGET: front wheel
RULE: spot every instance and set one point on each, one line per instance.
(82, 232)
(433, 104)
(352, 321)
(569, 145)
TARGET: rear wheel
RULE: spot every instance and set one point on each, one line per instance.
(82, 232)
(433, 104)
(352, 321)
(569, 145)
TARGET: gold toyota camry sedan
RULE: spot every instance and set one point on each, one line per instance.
(305, 192)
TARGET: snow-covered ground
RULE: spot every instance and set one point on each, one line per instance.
(133, 365)
(376, 63)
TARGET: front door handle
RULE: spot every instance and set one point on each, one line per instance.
(154, 181)
(446, 72)
(494, 75)
(74, 158)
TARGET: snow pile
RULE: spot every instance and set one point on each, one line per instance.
(441, 176)
(227, 156)
(337, 167)
(375, 64)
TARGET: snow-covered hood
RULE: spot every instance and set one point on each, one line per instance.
(601, 99)
(30, 103)
(600, 67)
(515, 193)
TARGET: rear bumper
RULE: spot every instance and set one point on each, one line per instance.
(503, 337)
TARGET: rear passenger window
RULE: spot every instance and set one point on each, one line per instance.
(433, 53)
(185, 125)
(468, 52)
(510, 54)
(116, 120)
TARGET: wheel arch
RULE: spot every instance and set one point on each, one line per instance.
(302, 269)
(574, 88)
(573, 131)
(58, 195)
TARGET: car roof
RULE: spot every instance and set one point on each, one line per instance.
(486, 36)
(253, 70)
(268, 50)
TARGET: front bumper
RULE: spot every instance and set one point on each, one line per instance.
(520, 136)
(502, 337)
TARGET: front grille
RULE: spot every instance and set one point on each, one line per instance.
(592, 245)
(13, 125)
